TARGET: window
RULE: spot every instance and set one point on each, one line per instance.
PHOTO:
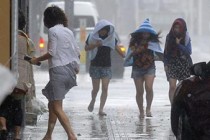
(86, 21)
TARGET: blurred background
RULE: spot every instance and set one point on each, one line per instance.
(127, 15)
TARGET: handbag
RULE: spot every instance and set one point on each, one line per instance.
(18, 91)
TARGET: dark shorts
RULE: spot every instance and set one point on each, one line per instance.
(138, 72)
(100, 72)
(11, 110)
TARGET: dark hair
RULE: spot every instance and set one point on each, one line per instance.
(137, 37)
(54, 15)
(21, 20)
(107, 28)
(182, 34)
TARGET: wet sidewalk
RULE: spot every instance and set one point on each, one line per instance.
(122, 121)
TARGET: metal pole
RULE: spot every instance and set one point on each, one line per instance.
(200, 9)
(14, 28)
(137, 13)
(14, 49)
(69, 11)
(192, 16)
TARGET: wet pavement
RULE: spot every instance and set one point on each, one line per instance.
(122, 121)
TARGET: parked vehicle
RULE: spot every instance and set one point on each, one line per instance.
(85, 18)
(190, 112)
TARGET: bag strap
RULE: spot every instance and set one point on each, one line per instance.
(27, 40)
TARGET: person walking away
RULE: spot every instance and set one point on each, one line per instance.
(143, 44)
(63, 58)
(177, 59)
(99, 44)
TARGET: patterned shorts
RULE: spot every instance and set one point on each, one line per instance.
(100, 72)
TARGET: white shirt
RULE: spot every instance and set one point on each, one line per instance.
(62, 46)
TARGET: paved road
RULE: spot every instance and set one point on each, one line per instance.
(122, 121)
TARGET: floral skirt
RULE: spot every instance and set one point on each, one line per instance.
(179, 69)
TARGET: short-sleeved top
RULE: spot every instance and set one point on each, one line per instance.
(62, 46)
(103, 56)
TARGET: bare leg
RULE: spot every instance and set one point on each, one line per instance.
(51, 122)
(3, 128)
(3, 123)
(63, 119)
(17, 132)
(105, 84)
(172, 88)
(139, 94)
(149, 80)
(96, 85)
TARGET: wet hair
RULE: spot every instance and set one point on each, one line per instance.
(137, 37)
(21, 20)
(172, 36)
(54, 15)
(182, 23)
(107, 28)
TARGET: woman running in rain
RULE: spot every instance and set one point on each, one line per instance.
(99, 44)
(177, 60)
(63, 58)
(143, 44)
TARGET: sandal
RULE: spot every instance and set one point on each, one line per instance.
(148, 113)
(91, 106)
(141, 111)
(141, 115)
(102, 113)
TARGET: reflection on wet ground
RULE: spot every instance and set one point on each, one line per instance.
(119, 124)
(122, 121)
(122, 124)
